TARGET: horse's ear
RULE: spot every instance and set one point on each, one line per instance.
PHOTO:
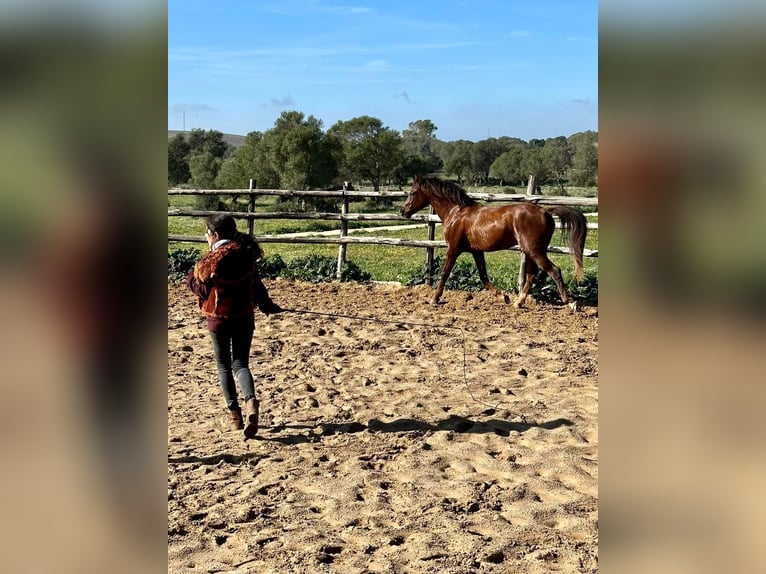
(417, 179)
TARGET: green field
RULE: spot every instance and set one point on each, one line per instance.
(383, 262)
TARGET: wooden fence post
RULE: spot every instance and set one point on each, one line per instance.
(430, 250)
(251, 208)
(532, 186)
(343, 233)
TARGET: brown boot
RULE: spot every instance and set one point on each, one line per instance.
(251, 408)
(235, 419)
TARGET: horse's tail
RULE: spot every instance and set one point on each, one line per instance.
(574, 227)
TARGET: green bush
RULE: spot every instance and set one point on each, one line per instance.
(464, 276)
(318, 268)
(180, 261)
(272, 266)
(545, 290)
(352, 272)
(210, 203)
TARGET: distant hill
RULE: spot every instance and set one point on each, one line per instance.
(235, 140)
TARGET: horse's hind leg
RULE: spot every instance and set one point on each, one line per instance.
(530, 272)
(554, 273)
(481, 265)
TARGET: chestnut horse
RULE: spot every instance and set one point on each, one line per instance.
(475, 228)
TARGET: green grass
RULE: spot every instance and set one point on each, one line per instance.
(383, 262)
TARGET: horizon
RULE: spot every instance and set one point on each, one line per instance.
(476, 69)
(243, 136)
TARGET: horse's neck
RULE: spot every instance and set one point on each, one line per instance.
(443, 207)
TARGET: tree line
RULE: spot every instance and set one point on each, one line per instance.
(297, 153)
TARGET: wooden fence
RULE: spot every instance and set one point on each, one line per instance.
(345, 216)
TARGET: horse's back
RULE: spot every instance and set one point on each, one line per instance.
(484, 228)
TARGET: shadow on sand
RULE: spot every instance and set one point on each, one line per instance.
(454, 423)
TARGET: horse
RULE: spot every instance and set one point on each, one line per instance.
(476, 228)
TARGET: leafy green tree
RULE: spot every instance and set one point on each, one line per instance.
(233, 173)
(443, 150)
(182, 147)
(178, 160)
(558, 159)
(412, 166)
(459, 160)
(584, 169)
(483, 154)
(204, 168)
(297, 149)
(535, 163)
(507, 143)
(507, 167)
(418, 142)
(249, 161)
(208, 141)
(370, 151)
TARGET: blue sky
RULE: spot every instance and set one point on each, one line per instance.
(475, 68)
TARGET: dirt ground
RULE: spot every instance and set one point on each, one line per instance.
(377, 450)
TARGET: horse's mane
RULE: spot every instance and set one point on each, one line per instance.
(448, 190)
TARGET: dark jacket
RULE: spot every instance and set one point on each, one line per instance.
(228, 285)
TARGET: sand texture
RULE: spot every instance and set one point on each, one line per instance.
(377, 451)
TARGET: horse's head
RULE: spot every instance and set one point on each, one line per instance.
(416, 199)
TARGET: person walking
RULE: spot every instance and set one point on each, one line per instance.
(228, 288)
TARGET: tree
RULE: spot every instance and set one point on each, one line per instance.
(558, 158)
(296, 148)
(412, 166)
(483, 153)
(507, 167)
(508, 143)
(459, 161)
(204, 168)
(208, 141)
(418, 142)
(178, 160)
(534, 163)
(443, 150)
(370, 151)
(584, 169)
(182, 147)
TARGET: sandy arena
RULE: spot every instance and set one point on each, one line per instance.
(374, 454)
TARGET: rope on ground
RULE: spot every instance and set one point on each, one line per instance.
(401, 322)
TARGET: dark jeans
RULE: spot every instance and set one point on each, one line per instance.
(231, 347)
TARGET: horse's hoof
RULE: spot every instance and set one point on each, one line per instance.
(433, 302)
(506, 299)
(574, 306)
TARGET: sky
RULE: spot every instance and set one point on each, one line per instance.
(475, 68)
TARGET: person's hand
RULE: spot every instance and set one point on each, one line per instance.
(271, 309)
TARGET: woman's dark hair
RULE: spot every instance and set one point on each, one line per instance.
(226, 228)
(223, 225)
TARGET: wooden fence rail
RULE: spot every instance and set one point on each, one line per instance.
(430, 219)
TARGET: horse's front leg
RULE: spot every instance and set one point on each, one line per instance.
(449, 263)
(481, 265)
